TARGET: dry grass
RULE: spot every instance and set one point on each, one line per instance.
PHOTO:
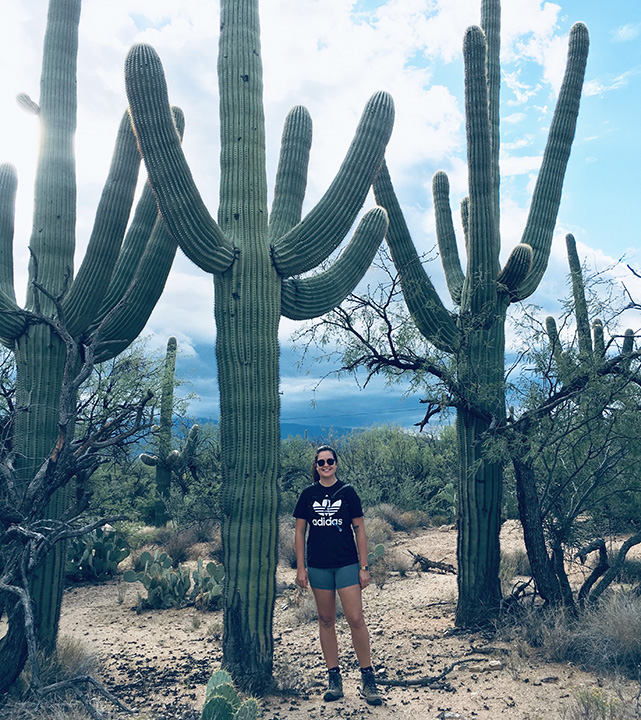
(72, 660)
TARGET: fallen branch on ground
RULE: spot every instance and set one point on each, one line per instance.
(426, 564)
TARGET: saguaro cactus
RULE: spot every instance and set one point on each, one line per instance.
(475, 336)
(104, 307)
(255, 262)
(167, 460)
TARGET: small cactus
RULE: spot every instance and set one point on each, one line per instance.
(378, 552)
(168, 587)
(96, 555)
(223, 703)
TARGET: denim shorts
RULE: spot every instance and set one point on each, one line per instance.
(333, 578)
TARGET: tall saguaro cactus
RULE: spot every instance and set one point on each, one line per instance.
(167, 460)
(256, 261)
(475, 336)
(103, 308)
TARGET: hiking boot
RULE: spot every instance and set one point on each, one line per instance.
(369, 690)
(335, 688)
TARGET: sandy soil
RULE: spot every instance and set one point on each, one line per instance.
(159, 662)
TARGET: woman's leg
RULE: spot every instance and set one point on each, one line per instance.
(326, 605)
(352, 602)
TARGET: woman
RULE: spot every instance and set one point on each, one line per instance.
(335, 562)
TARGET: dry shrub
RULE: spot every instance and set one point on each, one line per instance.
(178, 546)
(399, 520)
(286, 549)
(512, 564)
(400, 562)
(378, 530)
(596, 704)
(609, 634)
(605, 637)
(72, 659)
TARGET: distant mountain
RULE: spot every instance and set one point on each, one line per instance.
(313, 432)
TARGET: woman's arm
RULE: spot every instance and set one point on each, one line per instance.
(299, 545)
(361, 545)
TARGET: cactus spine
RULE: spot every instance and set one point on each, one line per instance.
(254, 258)
(88, 307)
(475, 337)
(167, 460)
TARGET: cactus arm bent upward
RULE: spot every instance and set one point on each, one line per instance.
(578, 292)
(306, 298)
(178, 199)
(324, 227)
(54, 217)
(83, 300)
(291, 176)
(549, 184)
(430, 315)
(12, 322)
(446, 237)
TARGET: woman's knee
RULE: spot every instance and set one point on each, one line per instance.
(356, 621)
(326, 621)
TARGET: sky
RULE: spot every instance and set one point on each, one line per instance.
(332, 61)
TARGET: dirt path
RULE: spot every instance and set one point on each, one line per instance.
(159, 662)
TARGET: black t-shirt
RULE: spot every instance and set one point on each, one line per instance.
(329, 512)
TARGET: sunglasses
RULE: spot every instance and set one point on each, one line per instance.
(329, 461)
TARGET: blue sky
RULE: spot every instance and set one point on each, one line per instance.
(332, 62)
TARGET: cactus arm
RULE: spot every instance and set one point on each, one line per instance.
(491, 24)
(54, 219)
(516, 268)
(310, 297)
(291, 177)
(578, 291)
(126, 320)
(447, 237)
(92, 280)
(430, 315)
(546, 198)
(483, 242)
(135, 242)
(178, 198)
(324, 227)
(12, 323)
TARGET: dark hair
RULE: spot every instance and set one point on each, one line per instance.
(322, 448)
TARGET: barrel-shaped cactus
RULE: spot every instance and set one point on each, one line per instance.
(256, 259)
(474, 336)
(101, 308)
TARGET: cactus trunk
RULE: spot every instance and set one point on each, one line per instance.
(480, 371)
(253, 263)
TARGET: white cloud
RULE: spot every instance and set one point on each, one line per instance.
(626, 33)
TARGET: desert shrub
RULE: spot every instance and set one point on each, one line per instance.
(378, 530)
(630, 573)
(399, 562)
(72, 659)
(596, 704)
(512, 564)
(605, 637)
(179, 544)
(609, 634)
(286, 549)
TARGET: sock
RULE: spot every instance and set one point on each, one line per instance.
(369, 669)
(334, 670)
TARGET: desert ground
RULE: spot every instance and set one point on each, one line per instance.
(158, 662)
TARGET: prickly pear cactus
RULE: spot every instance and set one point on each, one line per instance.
(256, 259)
(474, 336)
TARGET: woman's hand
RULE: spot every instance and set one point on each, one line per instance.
(364, 578)
(302, 580)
